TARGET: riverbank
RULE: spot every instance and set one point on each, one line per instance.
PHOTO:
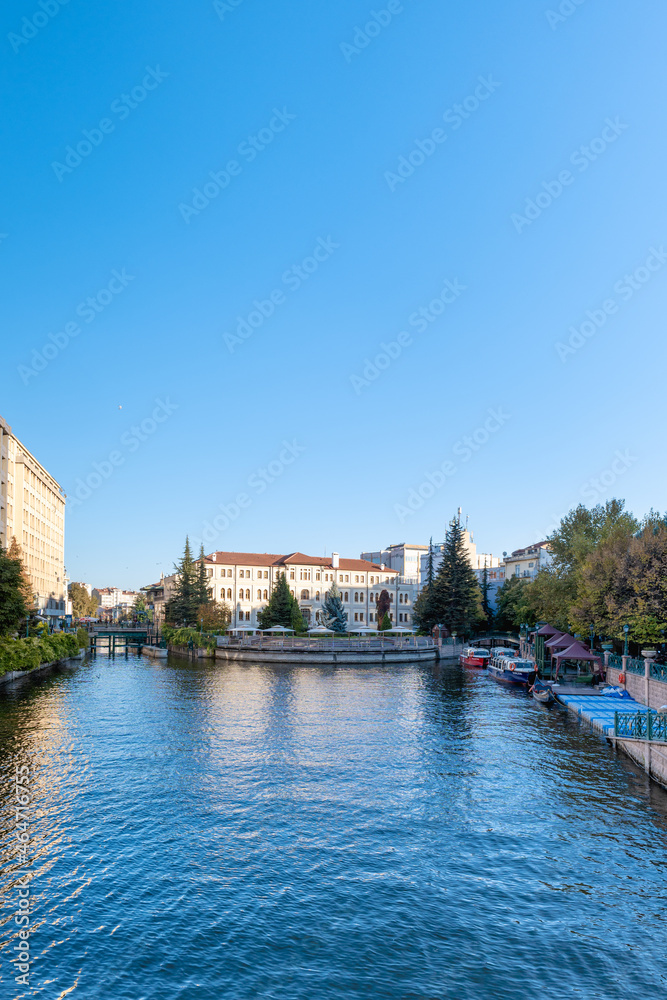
(42, 670)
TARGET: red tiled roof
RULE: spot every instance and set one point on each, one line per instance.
(294, 558)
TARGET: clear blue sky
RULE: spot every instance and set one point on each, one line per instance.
(332, 112)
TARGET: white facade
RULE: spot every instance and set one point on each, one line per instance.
(403, 558)
(32, 510)
(118, 602)
(478, 560)
(244, 580)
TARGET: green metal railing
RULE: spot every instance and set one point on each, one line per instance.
(615, 661)
(659, 672)
(634, 666)
(641, 726)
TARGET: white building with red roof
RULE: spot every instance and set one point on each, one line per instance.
(244, 580)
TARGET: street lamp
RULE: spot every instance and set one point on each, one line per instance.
(626, 629)
(592, 631)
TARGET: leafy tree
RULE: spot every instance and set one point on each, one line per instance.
(297, 621)
(512, 608)
(83, 605)
(279, 610)
(386, 622)
(216, 616)
(15, 552)
(382, 606)
(456, 600)
(13, 607)
(182, 607)
(334, 615)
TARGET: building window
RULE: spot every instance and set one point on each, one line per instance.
(400, 598)
(292, 574)
(259, 595)
(229, 572)
(229, 593)
(318, 576)
(347, 578)
(356, 579)
(305, 595)
(356, 617)
(266, 595)
(317, 595)
(247, 595)
(346, 598)
(361, 616)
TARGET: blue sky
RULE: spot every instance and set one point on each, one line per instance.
(540, 200)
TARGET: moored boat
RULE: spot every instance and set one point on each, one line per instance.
(543, 693)
(474, 656)
(512, 670)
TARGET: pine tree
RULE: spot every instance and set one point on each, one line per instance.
(202, 595)
(385, 623)
(13, 607)
(334, 615)
(430, 575)
(279, 610)
(181, 608)
(456, 597)
(423, 611)
(297, 621)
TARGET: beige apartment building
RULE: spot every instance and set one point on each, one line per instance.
(32, 509)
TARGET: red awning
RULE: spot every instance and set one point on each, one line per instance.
(548, 630)
(577, 651)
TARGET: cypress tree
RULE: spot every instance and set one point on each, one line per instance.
(456, 598)
(201, 595)
(486, 603)
(334, 615)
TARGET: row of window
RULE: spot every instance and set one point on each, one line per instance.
(246, 616)
(263, 595)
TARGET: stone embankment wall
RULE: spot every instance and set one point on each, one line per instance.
(651, 692)
(41, 670)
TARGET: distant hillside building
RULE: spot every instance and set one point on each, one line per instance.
(527, 563)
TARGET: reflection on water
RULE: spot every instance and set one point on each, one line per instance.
(293, 832)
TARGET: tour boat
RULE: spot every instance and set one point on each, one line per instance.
(512, 670)
(473, 656)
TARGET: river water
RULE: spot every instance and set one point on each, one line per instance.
(209, 831)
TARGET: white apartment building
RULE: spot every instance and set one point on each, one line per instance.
(527, 563)
(244, 580)
(111, 599)
(32, 509)
(402, 557)
(478, 560)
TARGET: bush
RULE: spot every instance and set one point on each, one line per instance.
(184, 636)
(26, 654)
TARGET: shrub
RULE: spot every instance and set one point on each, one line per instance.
(26, 654)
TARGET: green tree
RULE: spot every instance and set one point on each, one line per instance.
(13, 607)
(83, 605)
(334, 615)
(16, 552)
(456, 599)
(486, 602)
(182, 607)
(386, 622)
(202, 587)
(279, 610)
(512, 608)
(216, 616)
